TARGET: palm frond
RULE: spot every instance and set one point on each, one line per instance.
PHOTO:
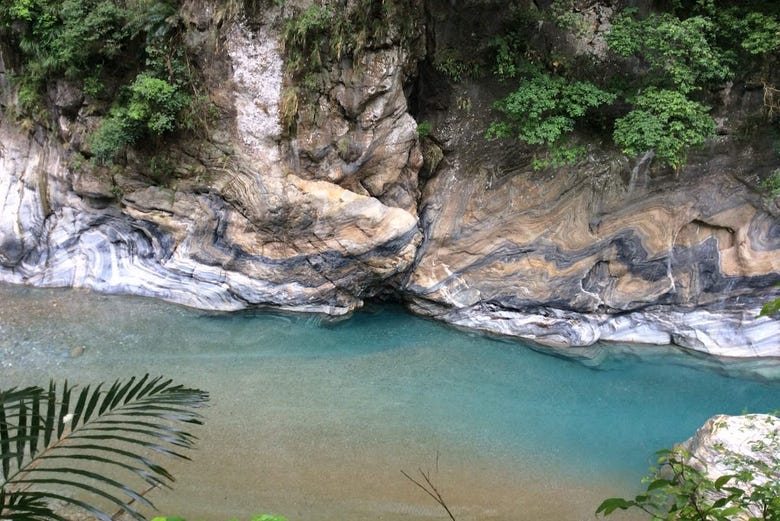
(68, 446)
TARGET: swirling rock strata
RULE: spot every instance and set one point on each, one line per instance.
(606, 250)
(302, 245)
(236, 228)
(602, 251)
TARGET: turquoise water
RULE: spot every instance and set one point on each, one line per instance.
(315, 418)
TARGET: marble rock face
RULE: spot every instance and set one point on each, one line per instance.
(609, 249)
(725, 445)
(255, 240)
(246, 230)
(579, 257)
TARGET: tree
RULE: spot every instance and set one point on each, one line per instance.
(109, 439)
(665, 121)
(543, 111)
(679, 53)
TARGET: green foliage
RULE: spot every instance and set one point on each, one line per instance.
(543, 110)
(53, 444)
(454, 65)
(315, 37)
(305, 37)
(261, 517)
(507, 48)
(96, 43)
(679, 490)
(112, 136)
(680, 53)
(665, 121)
(150, 111)
(321, 32)
(424, 129)
(154, 104)
(64, 38)
(760, 33)
(558, 155)
(770, 308)
(564, 14)
(771, 185)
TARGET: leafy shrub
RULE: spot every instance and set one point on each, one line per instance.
(315, 37)
(558, 155)
(452, 64)
(305, 37)
(507, 48)
(682, 53)
(64, 37)
(544, 108)
(424, 129)
(111, 137)
(665, 121)
(151, 111)
(154, 104)
(770, 308)
(761, 33)
(771, 185)
(95, 42)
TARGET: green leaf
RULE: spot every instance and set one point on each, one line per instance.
(21, 429)
(610, 505)
(722, 480)
(770, 308)
(64, 405)
(51, 400)
(114, 430)
(5, 448)
(658, 483)
(35, 424)
(80, 402)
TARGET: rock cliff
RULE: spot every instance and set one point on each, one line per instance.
(744, 447)
(603, 250)
(236, 227)
(355, 205)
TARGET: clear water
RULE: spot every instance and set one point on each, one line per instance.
(315, 419)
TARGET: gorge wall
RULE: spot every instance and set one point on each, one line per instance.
(355, 204)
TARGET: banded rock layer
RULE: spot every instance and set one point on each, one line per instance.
(603, 250)
(237, 228)
(609, 249)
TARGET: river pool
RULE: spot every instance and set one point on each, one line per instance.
(315, 419)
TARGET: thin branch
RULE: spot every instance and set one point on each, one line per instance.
(430, 489)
